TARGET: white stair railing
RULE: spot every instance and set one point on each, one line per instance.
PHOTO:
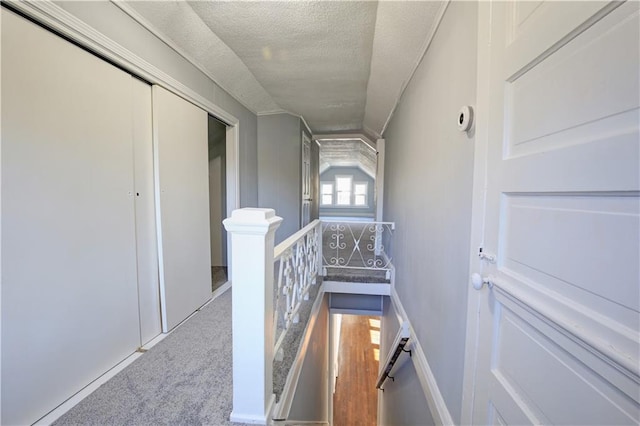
(271, 284)
(252, 234)
(262, 312)
(357, 245)
(297, 262)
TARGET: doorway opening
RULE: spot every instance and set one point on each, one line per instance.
(355, 362)
(347, 180)
(218, 201)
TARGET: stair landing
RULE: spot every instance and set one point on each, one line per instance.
(357, 281)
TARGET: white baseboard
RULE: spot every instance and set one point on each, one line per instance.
(218, 292)
(253, 418)
(63, 408)
(437, 406)
(247, 418)
(56, 413)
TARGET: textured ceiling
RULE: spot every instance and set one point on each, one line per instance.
(312, 57)
(339, 64)
(403, 29)
(347, 153)
(178, 22)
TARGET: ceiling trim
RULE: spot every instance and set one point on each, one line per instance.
(346, 136)
(306, 125)
(372, 132)
(355, 165)
(284, 111)
(274, 112)
(425, 48)
(133, 14)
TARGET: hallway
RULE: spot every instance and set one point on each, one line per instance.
(355, 401)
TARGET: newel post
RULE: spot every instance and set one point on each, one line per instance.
(252, 241)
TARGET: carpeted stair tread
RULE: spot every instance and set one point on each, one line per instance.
(356, 275)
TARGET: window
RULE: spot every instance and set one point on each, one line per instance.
(326, 193)
(360, 194)
(343, 190)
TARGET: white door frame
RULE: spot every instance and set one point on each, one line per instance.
(305, 175)
(478, 206)
(232, 179)
(380, 180)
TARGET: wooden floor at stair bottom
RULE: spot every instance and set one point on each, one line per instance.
(355, 402)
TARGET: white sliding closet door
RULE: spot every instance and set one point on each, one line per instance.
(182, 171)
(147, 244)
(69, 291)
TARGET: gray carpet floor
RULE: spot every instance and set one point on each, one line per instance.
(186, 379)
(356, 275)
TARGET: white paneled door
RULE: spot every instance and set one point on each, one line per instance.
(306, 181)
(553, 335)
(180, 132)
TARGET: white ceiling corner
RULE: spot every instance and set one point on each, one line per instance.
(341, 65)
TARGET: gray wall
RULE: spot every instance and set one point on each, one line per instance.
(403, 401)
(310, 402)
(428, 182)
(359, 302)
(329, 175)
(119, 27)
(279, 169)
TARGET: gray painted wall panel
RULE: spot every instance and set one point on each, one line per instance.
(279, 170)
(428, 184)
(362, 302)
(310, 401)
(403, 401)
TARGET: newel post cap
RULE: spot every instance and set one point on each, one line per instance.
(252, 220)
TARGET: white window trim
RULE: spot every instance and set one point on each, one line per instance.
(366, 194)
(352, 194)
(322, 194)
(336, 191)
